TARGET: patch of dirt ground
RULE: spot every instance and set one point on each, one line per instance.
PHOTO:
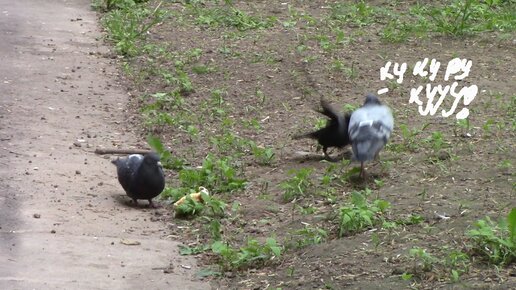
(263, 84)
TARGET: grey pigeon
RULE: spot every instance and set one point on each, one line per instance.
(141, 176)
(370, 127)
(334, 134)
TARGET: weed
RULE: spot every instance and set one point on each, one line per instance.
(187, 250)
(253, 124)
(390, 226)
(129, 24)
(183, 81)
(422, 259)
(453, 19)
(458, 263)
(217, 102)
(263, 155)
(209, 205)
(297, 185)
(309, 236)
(189, 207)
(202, 69)
(229, 16)
(349, 108)
(157, 110)
(346, 176)
(410, 137)
(306, 210)
(495, 241)
(452, 265)
(296, 16)
(379, 183)
(349, 71)
(253, 254)
(505, 164)
(207, 272)
(412, 219)
(108, 5)
(360, 214)
(215, 228)
(394, 32)
(407, 276)
(462, 127)
(375, 239)
(436, 141)
(228, 142)
(358, 13)
(488, 125)
(167, 160)
(218, 175)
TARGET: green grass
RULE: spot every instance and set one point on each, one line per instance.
(358, 13)
(298, 185)
(252, 254)
(228, 16)
(218, 175)
(210, 205)
(450, 265)
(359, 214)
(167, 159)
(495, 241)
(455, 18)
(308, 236)
(129, 24)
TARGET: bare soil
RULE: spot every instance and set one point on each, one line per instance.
(266, 77)
(64, 219)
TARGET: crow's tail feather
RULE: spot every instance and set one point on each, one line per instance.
(311, 135)
(328, 110)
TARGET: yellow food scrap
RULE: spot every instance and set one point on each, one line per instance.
(195, 196)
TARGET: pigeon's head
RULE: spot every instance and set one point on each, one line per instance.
(372, 100)
(151, 159)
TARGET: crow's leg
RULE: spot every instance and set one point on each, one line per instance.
(152, 204)
(362, 172)
(327, 156)
(325, 152)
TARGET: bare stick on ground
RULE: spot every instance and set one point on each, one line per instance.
(101, 151)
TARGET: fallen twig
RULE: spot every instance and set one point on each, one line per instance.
(102, 151)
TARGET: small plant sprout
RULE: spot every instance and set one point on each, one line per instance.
(422, 259)
(360, 214)
(253, 254)
(495, 241)
(297, 185)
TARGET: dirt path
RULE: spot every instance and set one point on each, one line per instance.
(62, 213)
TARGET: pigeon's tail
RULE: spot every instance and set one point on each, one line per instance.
(368, 140)
(366, 150)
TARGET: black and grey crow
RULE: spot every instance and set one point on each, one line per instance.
(335, 133)
(141, 176)
(369, 130)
